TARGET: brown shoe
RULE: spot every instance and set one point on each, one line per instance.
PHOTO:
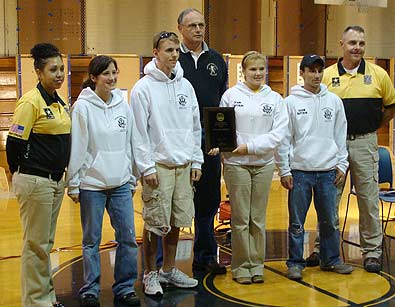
(313, 259)
(257, 279)
(372, 265)
(243, 280)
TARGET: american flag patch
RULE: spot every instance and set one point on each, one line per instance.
(17, 129)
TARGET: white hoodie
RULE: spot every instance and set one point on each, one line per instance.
(261, 123)
(167, 121)
(101, 156)
(316, 139)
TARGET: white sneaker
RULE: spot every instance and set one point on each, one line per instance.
(151, 284)
(177, 278)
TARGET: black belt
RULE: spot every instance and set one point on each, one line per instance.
(36, 172)
(352, 137)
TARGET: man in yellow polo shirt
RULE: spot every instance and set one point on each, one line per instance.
(369, 101)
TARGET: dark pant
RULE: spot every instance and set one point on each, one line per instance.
(207, 198)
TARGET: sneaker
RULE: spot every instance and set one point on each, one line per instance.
(313, 259)
(89, 299)
(294, 273)
(243, 280)
(177, 278)
(341, 268)
(151, 284)
(211, 267)
(257, 279)
(129, 299)
(372, 265)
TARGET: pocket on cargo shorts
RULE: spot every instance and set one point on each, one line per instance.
(153, 215)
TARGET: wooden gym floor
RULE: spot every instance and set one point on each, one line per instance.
(317, 288)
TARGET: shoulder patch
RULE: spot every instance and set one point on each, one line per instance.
(17, 129)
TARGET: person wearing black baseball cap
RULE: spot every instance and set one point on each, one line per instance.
(310, 59)
(316, 121)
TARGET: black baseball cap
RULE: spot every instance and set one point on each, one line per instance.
(310, 59)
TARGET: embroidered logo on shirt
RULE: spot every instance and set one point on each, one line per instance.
(267, 109)
(26, 155)
(367, 79)
(182, 101)
(17, 129)
(327, 113)
(238, 104)
(335, 82)
(121, 120)
(49, 113)
(212, 69)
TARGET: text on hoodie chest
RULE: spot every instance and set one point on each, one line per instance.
(254, 109)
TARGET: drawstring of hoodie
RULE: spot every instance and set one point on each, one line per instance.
(171, 91)
(317, 110)
(109, 115)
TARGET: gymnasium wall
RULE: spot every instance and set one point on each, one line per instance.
(379, 24)
(282, 27)
(127, 26)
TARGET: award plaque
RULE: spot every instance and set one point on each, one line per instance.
(220, 128)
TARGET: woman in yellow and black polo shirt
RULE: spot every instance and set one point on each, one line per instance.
(38, 150)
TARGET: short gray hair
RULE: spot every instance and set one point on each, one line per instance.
(186, 12)
(354, 28)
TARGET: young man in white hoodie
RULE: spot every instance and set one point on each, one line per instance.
(166, 141)
(312, 160)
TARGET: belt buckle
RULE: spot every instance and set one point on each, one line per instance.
(351, 137)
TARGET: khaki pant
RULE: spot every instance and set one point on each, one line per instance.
(248, 188)
(363, 158)
(39, 199)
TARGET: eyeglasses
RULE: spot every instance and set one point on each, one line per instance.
(193, 26)
(164, 35)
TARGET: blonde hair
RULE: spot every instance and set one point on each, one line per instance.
(252, 56)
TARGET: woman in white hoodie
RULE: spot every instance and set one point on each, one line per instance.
(100, 177)
(261, 123)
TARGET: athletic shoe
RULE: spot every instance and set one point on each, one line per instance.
(151, 284)
(341, 268)
(177, 278)
(294, 273)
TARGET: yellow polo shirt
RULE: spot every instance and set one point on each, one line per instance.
(364, 94)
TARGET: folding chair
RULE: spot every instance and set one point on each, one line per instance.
(352, 192)
(223, 216)
(385, 195)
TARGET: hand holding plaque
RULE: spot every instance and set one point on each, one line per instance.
(220, 128)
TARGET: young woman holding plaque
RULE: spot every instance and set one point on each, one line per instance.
(261, 123)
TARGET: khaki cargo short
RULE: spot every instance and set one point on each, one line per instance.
(171, 203)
